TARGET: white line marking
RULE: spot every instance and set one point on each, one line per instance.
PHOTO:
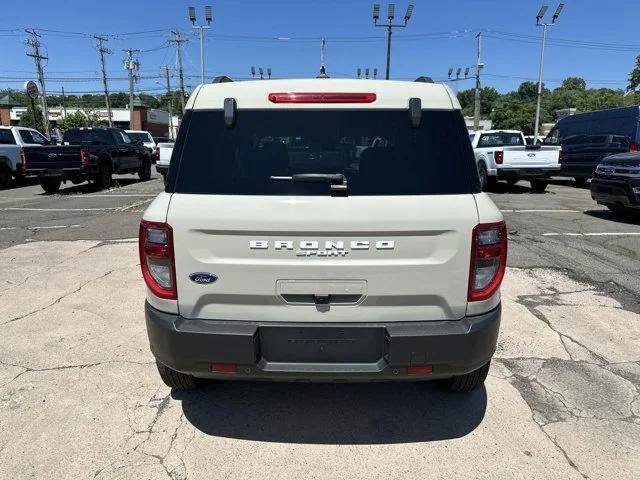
(52, 227)
(115, 195)
(7, 228)
(124, 240)
(23, 209)
(590, 234)
(541, 211)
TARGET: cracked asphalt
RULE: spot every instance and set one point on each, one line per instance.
(80, 396)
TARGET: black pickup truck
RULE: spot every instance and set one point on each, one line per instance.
(92, 154)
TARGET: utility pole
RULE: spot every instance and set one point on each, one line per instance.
(64, 104)
(390, 26)
(544, 25)
(132, 66)
(34, 43)
(323, 70)
(479, 67)
(178, 40)
(170, 97)
(102, 50)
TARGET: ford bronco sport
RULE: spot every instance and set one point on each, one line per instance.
(323, 230)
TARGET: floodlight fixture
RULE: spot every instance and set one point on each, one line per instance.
(557, 12)
(376, 11)
(391, 11)
(192, 15)
(409, 12)
(208, 15)
(541, 13)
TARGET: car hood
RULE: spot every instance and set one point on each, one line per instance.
(626, 159)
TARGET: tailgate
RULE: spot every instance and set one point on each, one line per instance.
(323, 259)
(52, 157)
(531, 157)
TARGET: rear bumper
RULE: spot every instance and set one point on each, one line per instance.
(615, 192)
(322, 352)
(528, 172)
(579, 170)
(64, 173)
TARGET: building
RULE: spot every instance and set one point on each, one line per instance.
(152, 120)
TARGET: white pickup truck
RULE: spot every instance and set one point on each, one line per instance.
(504, 155)
(12, 140)
(165, 149)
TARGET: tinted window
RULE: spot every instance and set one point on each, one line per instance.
(86, 137)
(121, 137)
(6, 137)
(142, 136)
(615, 128)
(377, 151)
(30, 137)
(499, 140)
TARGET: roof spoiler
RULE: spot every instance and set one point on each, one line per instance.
(221, 79)
(424, 79)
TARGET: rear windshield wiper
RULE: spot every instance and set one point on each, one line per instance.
(337, 181)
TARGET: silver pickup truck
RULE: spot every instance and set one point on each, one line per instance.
(12, 141)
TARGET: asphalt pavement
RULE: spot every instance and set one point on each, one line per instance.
(80, 396)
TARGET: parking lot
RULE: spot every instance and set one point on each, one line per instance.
(80, 396)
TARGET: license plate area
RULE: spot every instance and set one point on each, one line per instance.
(323, 344)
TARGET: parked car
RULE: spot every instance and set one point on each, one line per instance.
(164, 159)
(616, 182)
(504, 154)
(12, 142)
(587, 138)
(93, 154)
(146, 139)
(278, 253)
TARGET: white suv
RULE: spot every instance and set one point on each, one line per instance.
(323, 230)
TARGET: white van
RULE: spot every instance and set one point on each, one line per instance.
(323, 230)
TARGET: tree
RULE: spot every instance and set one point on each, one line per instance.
(79, 119)
(32, 119)
(488, 97)
(574, 83)
(514, 115)
(634, 77)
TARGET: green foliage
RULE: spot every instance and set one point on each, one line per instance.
(634, 77)
(514, 115)
(574, 83)
(32, 119)
(80, 119)
(488, 96)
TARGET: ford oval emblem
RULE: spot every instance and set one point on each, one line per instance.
(531, 154)
(203, 277)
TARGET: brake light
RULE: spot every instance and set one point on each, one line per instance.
(84, 157)
(157, 260)
(23, 160)
(321, 97)
(633, 147)
(488, 260)
(224, 368)
(498, 156)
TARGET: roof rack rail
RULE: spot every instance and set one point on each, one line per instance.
(221, 79)
(424, 79)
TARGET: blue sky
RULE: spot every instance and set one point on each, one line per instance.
(284, 35)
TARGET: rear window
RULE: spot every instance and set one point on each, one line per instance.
(140, 136)
(86, 137)
(500, 140)
(377, 151)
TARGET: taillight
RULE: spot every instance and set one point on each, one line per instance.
(156, 258)
(488, 260)
(156, 153)
(633, 147)
(23, 159)
(84, 157)
(321, 97)
(498, 156)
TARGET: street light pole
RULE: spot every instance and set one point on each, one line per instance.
(208, 17)
(389, 25)
(545, 26)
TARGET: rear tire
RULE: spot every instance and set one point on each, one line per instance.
(144, 173)
(164, 179)
(470, 381)
(174, 379)
(482, 173)
(580, 182)
(5, 176)
(539, 186)
(50, 184)
(103, 180)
